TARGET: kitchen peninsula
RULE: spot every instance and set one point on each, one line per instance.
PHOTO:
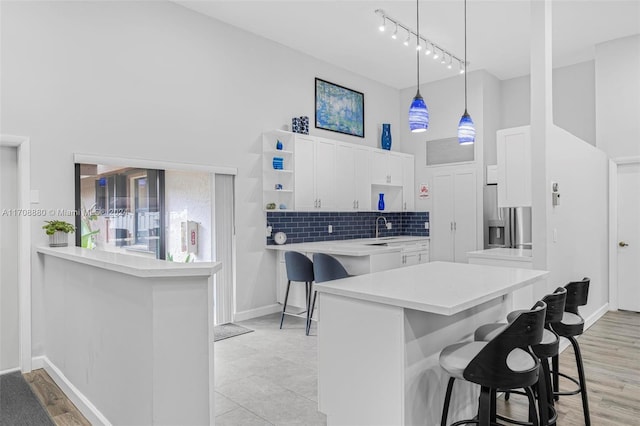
(130, 334)
(379, 336)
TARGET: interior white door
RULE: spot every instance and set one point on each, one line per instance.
(9, 323)
(629, 237)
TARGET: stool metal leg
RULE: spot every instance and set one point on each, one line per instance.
(581, 378)
(284, 307)
(447, 400)
(556, 376)
(484, 407)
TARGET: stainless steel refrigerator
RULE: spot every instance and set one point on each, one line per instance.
(510, 228)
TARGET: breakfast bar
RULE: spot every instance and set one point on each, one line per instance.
(380, 334)
(132, 335)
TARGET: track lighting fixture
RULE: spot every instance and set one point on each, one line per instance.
(429, 46)
(383, 26)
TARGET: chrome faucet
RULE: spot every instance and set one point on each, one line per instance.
(385, 222)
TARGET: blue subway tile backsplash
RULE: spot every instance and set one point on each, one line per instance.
(304, 227)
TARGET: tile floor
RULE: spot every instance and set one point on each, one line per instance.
(268, 377)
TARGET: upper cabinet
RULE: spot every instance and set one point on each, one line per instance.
(309, 173)
(386, 168)
(315, 173)
(514, 167)
(353, 174)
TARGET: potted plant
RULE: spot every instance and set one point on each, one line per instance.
(58, 232)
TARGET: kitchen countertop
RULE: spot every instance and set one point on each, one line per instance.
(513, 254)
(438, 287)
(355, 247)
(132, 265)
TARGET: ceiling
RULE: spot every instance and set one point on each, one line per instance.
(345, 33)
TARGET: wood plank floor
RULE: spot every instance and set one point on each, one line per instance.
(611, 355)
(58, 406)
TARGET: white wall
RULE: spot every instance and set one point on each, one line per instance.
(157, 81)
(188, 197)
(581, 219)
(618, 95)
(574, 100)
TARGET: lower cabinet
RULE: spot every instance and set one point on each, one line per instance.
(415, 254)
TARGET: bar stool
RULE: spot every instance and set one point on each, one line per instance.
(504, 362)
(299, 269)
(325, 268)
(545, 350)
(570, 326)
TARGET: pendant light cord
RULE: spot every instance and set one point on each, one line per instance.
(418, 44)
(465, 56)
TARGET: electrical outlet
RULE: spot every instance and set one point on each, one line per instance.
(388, 225)
(269, 230)
(426, 225)
(330, 229)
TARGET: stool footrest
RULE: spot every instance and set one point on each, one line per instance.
(573, 392)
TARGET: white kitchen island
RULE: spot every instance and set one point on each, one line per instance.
(380, 334)
(130, 339)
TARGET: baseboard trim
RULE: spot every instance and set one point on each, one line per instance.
(9, 370)
(93, 415)
(257, 312)
(591, 319)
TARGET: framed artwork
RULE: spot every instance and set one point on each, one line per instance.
(339, 109)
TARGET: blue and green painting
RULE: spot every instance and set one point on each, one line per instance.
(339, 109)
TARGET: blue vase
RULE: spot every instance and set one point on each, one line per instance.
(381, 201)
(385, 139)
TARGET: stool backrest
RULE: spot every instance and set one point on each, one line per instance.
(490, 366)
(555, 305)
(299, 267)
(577, 295)
(327, 268)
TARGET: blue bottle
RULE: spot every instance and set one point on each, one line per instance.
(381, 201)
(279, 145)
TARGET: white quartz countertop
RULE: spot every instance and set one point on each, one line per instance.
(514, 254)
(437, 287)
(355, 247)
(130, 264)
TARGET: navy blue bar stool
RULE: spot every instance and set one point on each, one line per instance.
(325, 268)
(504, 362)
(570, 326)
(299, 269)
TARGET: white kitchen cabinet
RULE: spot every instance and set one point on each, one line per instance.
(408, 185)
(353, 178)
(514, 167)
(386, 168)
(414, 254)
(314, 174)
(453, 222)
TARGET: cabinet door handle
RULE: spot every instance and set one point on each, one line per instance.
(419, 257)
(451, 225)
(455, 226)
(315, 203)
(320, 202)
(357, 204)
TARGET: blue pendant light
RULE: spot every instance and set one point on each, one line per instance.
(466, 128)
(418, 112)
